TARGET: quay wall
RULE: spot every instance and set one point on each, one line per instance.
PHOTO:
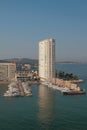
(4, 82)
(68, 84)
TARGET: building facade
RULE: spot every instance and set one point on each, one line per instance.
(47, 59)
(26, 75)
(27, 66)
(7, 71)
(23, 75)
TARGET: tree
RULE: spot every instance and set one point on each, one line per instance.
(65, 76)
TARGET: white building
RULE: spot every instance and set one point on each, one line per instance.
(27, 66)
(7, 71)
(47, 59)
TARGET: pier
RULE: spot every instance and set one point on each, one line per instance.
(21, 90)
(16, 89)
(73, 88)
(67, 84)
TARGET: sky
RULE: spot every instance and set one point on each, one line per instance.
(23, 23)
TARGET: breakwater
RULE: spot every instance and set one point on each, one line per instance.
(68, 84)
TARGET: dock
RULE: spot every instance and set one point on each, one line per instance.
(18, 89)
(65, 87)
(65, 83)
(21, 90)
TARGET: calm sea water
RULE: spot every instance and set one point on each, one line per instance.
(47, 109)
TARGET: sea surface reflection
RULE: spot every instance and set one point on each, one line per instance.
(46, 101)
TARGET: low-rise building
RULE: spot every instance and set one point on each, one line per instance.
(27, 66)
(7, 71)
(26, 75)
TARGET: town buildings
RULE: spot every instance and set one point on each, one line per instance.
(26, 75)
(47, 59)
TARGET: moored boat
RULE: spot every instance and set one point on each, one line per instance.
(29, 94)
(75, 92)
(18, 89)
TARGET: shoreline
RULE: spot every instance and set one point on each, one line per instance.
(76, 81)
(73, 84)
(30, 82)
(4, 82)
(38, 82)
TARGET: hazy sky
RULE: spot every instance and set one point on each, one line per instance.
(23, 23)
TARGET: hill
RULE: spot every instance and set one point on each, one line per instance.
(21, 61)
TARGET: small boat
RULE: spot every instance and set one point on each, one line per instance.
(27, 89)
(29, 94)
(7, 94)
(11, 94)
(18, 89)
(75, 92)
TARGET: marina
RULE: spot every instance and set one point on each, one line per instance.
(47, 109)
(18, 89)
(43, 65)
(74, 92)
(21, 89)
(65, 90)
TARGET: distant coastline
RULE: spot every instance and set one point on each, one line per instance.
(35, 61)
(71, 62)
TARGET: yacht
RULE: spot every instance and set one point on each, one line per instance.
(12, 90)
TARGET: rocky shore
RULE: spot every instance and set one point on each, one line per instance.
(76, 81)
(70, 84)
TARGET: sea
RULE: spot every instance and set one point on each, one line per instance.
(47, 109)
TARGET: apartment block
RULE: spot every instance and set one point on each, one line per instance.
(47, 59)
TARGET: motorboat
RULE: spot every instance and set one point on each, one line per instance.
(80, 92)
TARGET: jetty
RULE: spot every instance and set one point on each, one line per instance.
(21, 90)
(18, 89)
(67, 87)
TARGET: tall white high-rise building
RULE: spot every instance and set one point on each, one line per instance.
(47, 59)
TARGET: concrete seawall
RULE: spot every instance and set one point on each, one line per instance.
(68, 84)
